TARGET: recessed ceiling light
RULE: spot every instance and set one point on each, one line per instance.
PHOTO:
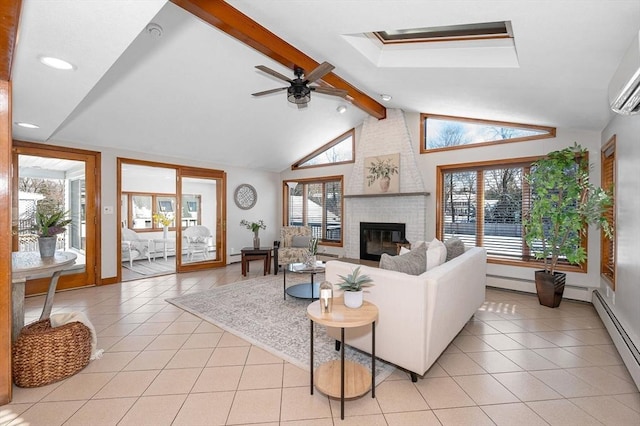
(57, 63)
(341, 109)
(385, 98)
(27, 125)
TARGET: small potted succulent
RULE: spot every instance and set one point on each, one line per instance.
(352, 286)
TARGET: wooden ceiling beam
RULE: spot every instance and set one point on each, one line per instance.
(238, 25)
(9, 14)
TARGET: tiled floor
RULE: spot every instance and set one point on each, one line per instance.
(515, 363)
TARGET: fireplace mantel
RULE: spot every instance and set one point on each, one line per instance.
(395, 194)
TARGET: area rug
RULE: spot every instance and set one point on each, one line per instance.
(255, 311)
(155, 267)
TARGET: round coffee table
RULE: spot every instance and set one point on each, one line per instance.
(303, 290)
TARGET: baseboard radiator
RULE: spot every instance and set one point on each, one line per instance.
(625, 346)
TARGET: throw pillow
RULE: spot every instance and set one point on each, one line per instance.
(300, 241)
(455, 247)
(436, 254)
(404, 250)
(413, 263)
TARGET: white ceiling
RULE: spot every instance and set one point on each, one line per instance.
(187, 93)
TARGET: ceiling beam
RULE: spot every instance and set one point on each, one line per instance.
(238, 25)
(9, 14)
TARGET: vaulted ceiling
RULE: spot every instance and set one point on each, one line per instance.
(187, 92)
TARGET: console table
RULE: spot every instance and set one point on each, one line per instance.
(331, 376)
(28, 264)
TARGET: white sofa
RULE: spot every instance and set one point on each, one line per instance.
(418, 315)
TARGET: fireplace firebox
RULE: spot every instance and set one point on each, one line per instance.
(377, 238)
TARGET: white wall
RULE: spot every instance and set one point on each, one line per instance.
(513, 277)
(625, 301)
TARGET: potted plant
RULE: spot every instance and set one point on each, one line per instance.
(50, 221)
(563, 204)
(161, 218)
(311, 256)
(352, 286)
(255, 227)
(382, 170)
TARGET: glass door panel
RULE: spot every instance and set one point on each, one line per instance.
(201, 219)
(57, 178)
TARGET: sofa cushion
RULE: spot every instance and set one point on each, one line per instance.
(404, 250)
(436, 254)
(301, 241)
(413, 263)
(455, 247)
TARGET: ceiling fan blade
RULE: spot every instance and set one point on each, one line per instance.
(330, 91)
(302, 106)
(320, 71)
(268, 92)
(273, 73)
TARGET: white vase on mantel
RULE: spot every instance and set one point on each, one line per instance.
(353, 299)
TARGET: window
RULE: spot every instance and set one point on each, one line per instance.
(316, 203)
(447, 33)
(608, 245)
(338, 151)
(483, 204)
(439, 132)
(140, 208)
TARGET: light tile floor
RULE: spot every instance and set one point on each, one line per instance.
(515, 363)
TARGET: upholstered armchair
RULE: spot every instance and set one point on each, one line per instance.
(294, 245)
(197, 240)
(133, 247)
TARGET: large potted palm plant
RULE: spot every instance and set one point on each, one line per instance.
(563, 204)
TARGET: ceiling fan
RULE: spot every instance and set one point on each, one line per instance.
(299, 91)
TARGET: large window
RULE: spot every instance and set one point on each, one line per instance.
(608, 257)
(139, 209)
(483, 204)
(338, 151)
(441, 132)
(316, 203)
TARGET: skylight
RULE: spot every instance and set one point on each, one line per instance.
(446, 33)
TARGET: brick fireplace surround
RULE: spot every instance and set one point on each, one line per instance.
(384, 137)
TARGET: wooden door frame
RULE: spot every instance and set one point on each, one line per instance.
(221, 220)
(93, 252)
(181, 171)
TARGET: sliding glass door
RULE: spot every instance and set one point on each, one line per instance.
(202, 218)
(172, 218)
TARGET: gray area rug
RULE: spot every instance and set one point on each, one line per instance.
(255, 311)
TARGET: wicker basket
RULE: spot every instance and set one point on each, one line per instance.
(43, 354)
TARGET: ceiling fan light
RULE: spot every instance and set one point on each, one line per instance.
(298, 94)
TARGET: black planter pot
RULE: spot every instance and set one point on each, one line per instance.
(550, 288)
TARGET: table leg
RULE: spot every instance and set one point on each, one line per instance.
(373, 359)
(48, 302)
(311, 359)
(243, 260)
(284, 281)
(342, 374)
(312, 274)
(17, 310)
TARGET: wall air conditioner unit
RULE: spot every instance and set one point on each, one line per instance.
(624, 88)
